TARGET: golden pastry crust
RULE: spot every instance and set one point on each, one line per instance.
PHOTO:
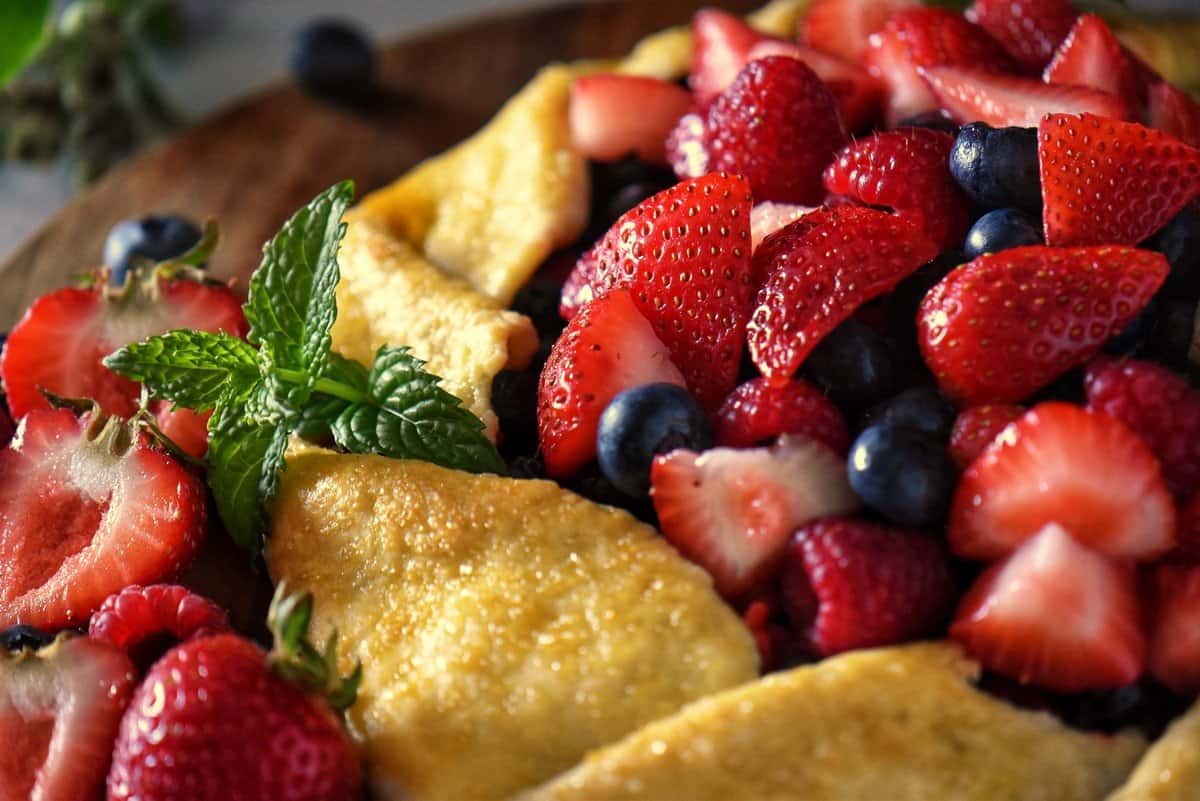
(1170, 771)
(505, 627)
(901, 724)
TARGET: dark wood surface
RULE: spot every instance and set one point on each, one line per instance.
(251, 165)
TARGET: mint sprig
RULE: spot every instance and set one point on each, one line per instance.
(23, 28)
(286, 380)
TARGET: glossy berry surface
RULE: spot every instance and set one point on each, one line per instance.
(643, 422)
(136, 614)
(999, 230)
(997, 167)
(855, 365)
(23, 637)
(920, 408)
(760, 411)
(903, 474)
(153, 238)
(330, 57)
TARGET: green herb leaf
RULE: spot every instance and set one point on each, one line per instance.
(195, 369)
(409, 416)
(23, 28)
(244, 461)
(316, 419)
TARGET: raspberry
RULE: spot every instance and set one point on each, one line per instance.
(136, 614)
(758, 412)
(975, 429)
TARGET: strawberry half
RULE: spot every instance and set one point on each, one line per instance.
(908, 170)
(1068, 466)
(818, 270)
(1091, 55)
(1057, 615)
(758, 412)
(767, 218)
(607, 348)
(1111, 182)
(732, 511)
(86, 509)
(859, 94)
(60, 709)
(1000, 327)
(61, 341)
(1174, 654)
(844, 27)
(973, 95)
(1174, 112)
(722, 48)
(684, 256)
(976, 428)
(1030, 30)
(614, 116)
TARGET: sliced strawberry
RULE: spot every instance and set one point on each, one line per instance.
(607, 348)
(859, 94)
(1065, 465)
(909, 171)
(85, 513)
(873, 585)
(1187, 528)
(60, 709)
(732, 511)
(972, 95)
(614, 116)
(1108, 182)
(1174, 112)
(1091, 55)
(1174, 653)
(1057, 615)
(136, 614)
(758, 412)
(976, 428)
(62, 339)
(1157, 405)
(1030, 30)
(1006, 324)
(767, 218)
(821, 268)
(844, 27)
(722, 48)
(684, 256)
(777, 125)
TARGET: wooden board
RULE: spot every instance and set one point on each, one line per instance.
(250, 166)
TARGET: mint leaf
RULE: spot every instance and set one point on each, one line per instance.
(189, 368)
(244, 461)
(317, 417)
(23, 28)
(409, 416)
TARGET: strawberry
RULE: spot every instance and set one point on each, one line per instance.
(972, 95)
(1187, 528)
(767, 218)
(722, 48)
(1111, 182)
(59, 344)
(777, 124)
(7, 427)
(1092, 56)
(613, 116)
(916, 38)
(843, 27)
(758, 412)
(1174, 635)
(1174, 112)
(976, 428)
(87, 508)
(732, 511)
(859, 95)
(240, 723)
(818, 270)
(1055, 614)
(684, 256)
(607, 348)
(908, 170)
(60, 708)
(1072, 467)
(1000, 327)
(1157, 405)
(873, 585)
(1030, 30)
(136, 614)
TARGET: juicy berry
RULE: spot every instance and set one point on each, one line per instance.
(333, 58)
(920, 408)
(1174, 657)
(643, 422)
(23, 637)
(998, 167)
(855, 365)
(976, 428)
(1030, 30)
(1002, 229)
(760, 411)
(136, 614)
(903, 474)
(1179, 241)
(153, 238)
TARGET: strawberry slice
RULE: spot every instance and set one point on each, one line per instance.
(1174, 653)
(60, 710)
(1091, 55)
(758, 412)
(88, 508)
(821, 268)
(767, 218)
(722, 48)
(1065, 465)
(1108, 182)
(679, 253)
(1057, 615)
(909, 171)
(613, 116)
(1030, 30)
(1187, 529)
(1174, 112)
(607, 348)
(844, 27)
(62, 339)
(732, 511)
(972, 95)
(976, 428)
(1000, 327)
(859, 94)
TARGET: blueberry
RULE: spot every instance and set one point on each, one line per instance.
(1179, 241)
(903, 474)
(332, 58)
(539, 300)
(900, 307)
(921, 408)
(1171, 338)
(1000, 230)
(643, 422)
(855, 366)
(514, 397)
(21, 636)
(931, 119)
(1146, 705)
(998, 167)
(619, 187)
(155, 238)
